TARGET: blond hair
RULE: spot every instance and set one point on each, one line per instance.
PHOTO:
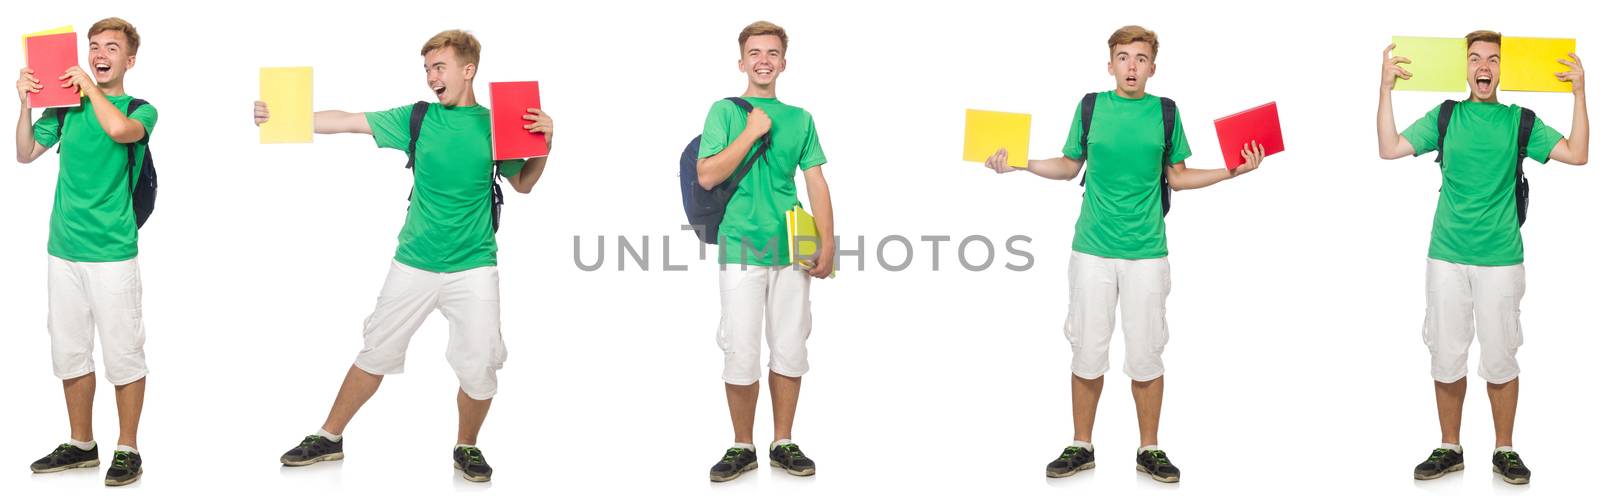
(466, 45)
(117, 24)
(763, 28)
(1483, 35)
(1128, 35)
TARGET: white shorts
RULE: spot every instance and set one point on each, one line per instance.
(775, 298)
(1097, 285)
(85, 296)
(469, 299)
(1464, 300)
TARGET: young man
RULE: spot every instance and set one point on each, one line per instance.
(1475, 274)
(94, 243)
(759, 285)
(1119, 250)
(446, 258)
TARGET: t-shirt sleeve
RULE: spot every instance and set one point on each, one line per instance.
(811, 155)
(146, 115)
(46, 131)
(719, 128)
(1180, 142)
(1542, 141)
(510, 168)
(391, 128)
(1424, 134)
(1074, 149)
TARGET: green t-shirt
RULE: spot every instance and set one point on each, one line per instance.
(752, 230)
(1121, 214)
(1476, 220)
(93, 220)
(448, 225)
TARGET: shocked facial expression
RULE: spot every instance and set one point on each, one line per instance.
(1132, 65)
(109, 58)
(762, 59)
(449, 79)
(1483, 70)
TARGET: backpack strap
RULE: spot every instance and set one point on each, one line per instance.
(761, 146)
(1445, 110)
(1169, 122)
(60, 115)
(133, 153)
(1085, 116)
(418, 111)
(1524, 133)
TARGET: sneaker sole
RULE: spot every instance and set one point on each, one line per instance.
(742, 470)
(470, 477)
(63, 468)
(130, 480)
(1158, 478)
(324, 458)
(1509, 479)
(1069, 473)
(1453, 468)
(803, 472)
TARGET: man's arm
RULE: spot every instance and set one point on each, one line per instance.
(28, 150)
(1390, 144)
(324, 122)
(1060, 168)
(118, 127)
(1181, 177)
(1575, 148)
(538, 122)
(822, 212)
(715, 169)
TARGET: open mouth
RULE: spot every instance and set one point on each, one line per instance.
(1483, 83)
(763, 71)
(102, 68)
(1131, 80)
(438, 90)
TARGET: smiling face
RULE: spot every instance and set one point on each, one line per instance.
(1132, 65)
(1483, 70)
(762, 60)
(109, 57)
(450, 80)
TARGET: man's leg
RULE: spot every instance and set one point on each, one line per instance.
(1450, 398)
(80, 406)
(1091, 317)
(788, 326)
(358, 387)
(1448, 331)
(470, 300)
(71, 326)
(743, 301)
(1147, 401)
(1144, 286)
(785, 399)
(130, 405)
(1503, 402)
(472, 414)
(742, 410)
(1498, 292)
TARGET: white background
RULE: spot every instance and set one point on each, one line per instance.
(1295, 366)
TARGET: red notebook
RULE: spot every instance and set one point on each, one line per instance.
(508, 102)
(50, 56)
(1259, 124)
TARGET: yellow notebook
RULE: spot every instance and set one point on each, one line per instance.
(1437, 64)
(1530, 64)
(990, 131)
(62, 29)
(804, 240)
(287, 92)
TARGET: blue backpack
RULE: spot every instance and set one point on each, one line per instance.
(705, 207)
(141, 185)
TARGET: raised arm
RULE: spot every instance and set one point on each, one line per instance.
(1575, 148)
(1390, 144)
(118, 126)
(538, 122)
(28, 149)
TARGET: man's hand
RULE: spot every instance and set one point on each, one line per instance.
(822, 266)
(76, 78)
(540, 122)
(261, 113)
(758, 122)
(27, 84)
(1254, 153)
(1392, 69)
(1575, 75)
(998, 162)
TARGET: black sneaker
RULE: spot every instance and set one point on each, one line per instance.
(1155, 463)
(313, 449)
(126, 467)
(473, 467)
(1074, 459)
(734, 463)
(789, 458)
(1510, 467)
(67, 457)
(1441, 461)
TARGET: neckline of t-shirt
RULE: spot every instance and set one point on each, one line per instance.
(761, 99)
(1114, 95)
